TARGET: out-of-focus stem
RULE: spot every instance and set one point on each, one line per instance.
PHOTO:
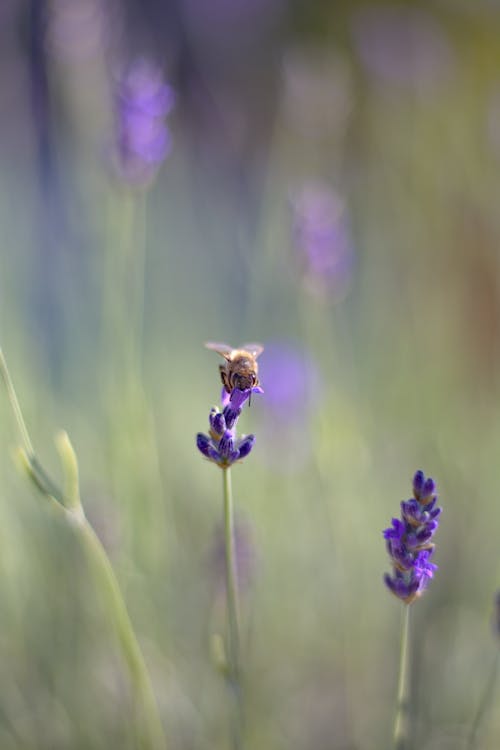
(233, 618)
(68, 506)
(150, 732)
(18, 415)
(402, 721)
(484, 703)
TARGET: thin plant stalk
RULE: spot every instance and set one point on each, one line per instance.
(68, 506)
(402, 721)
(484, 703)
(150, 732)
(233, 616)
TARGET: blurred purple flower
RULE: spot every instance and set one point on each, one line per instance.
(221, 446)
(293, 391)
(292, 380)
(401, 45)
(143, 101)
(322, 236)
(408, 541)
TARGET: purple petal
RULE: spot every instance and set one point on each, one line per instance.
(428, 490)
(246, 445)
(203, 443)
(231, 415)
(226, 445)
(418, 482)
(217, 421)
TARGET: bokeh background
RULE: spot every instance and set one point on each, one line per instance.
(330, 188)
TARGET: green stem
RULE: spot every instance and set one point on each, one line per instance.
(484, 703)
(18, 415)
(150, 734)
(233, 618)
(402, 721)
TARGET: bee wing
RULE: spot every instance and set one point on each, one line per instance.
(254, 349)
(223, 349)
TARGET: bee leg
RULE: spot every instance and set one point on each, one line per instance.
(223, 377)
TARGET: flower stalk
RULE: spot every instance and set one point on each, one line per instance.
(223, 448)
(67, 504)
(233, 613)
(408, 542)
(402, 720)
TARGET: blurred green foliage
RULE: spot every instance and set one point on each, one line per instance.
(105, 300)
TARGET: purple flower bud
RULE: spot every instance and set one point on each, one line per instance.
(428, 491)
(245, 445)
(403, 589)
(435, 512)
(205, 446)
(425, 534)
(418, 483)
(203, 443)
(231, 416)
(226, 445)
(410, 509)
(217, 421)
(395, 531)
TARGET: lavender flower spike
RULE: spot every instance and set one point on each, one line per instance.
(409, 541)
(221, 445)
(143, 102)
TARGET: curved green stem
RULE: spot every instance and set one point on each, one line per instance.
(18, 415)
(151, 731)
(402, 721)
(233, 616)
(68, 506)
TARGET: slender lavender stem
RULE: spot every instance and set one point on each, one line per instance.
(14, 402)
(150, 733)
(68, 506)
(484, 703)
(233, 617)
(402, 721)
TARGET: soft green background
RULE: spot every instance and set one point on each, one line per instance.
(409, 362)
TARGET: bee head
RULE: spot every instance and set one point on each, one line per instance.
(243, 381)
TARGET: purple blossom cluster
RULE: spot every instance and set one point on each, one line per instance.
(409, 541)
(221, 445)
(322, 236)
(143, 102)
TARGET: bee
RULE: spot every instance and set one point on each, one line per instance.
(240, 369)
